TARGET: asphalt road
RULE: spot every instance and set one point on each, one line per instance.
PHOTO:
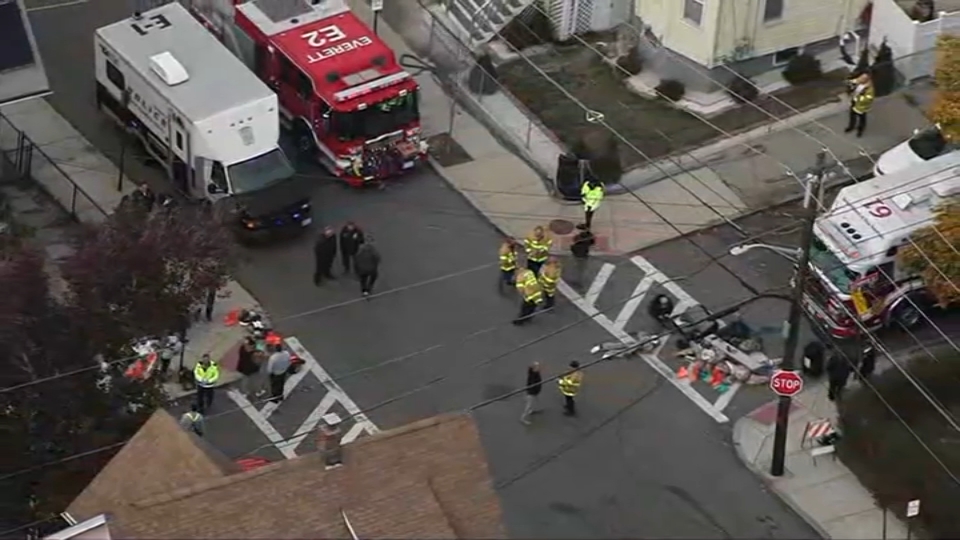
(663, 468)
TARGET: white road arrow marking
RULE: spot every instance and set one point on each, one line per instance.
(684, 300)
(262, 424)
(309, 425)
(634, 302)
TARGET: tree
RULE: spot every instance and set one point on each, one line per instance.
(139, 275)
(932, 254)
(946, 103)
(882, 71)
(133, 276)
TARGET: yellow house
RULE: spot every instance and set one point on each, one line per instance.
(715, 32)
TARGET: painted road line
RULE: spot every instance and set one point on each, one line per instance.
(684, 300)
(332, 386)
(593, 293)
(725, 398)
(634, 302)
(56, 5)
(353, 433)
(262, 424)
(288, 388)
(651, 360)
(310, 424)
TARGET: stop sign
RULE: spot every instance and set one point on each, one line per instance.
(786, 383)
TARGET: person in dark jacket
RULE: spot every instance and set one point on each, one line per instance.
(351, 238)
(367, 264)
(248, 365)
(324, 252)
(533, 387)
(814, 358)
(868, 363)
(838, 372)
(580, 249)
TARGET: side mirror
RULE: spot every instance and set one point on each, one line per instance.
(214, 189)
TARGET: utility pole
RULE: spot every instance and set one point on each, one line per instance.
(792, 347)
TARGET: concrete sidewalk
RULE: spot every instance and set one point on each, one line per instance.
(61, 155)
(821, 489)
(720, 181)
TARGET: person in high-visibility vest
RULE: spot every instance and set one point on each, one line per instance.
(537, 246)
(508, 263)
(591, 193)
(192, 420)
(531, 295)
(861, 99)
(206, 374)
(549, 278)
(570, 386)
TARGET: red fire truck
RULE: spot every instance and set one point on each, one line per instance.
(342, 92)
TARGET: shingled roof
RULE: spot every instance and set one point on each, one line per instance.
(425, 480)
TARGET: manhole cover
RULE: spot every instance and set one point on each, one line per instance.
(561, 226)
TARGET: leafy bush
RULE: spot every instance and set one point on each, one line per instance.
(801, 69)
(601, 149)
(888, 459)
(742, 89)
(631, 62)
(671, 90)
(882, 71)
(536, 31)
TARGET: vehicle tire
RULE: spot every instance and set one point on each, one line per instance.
(906, 315)
(306, 145)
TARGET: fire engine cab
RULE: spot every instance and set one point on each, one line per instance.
(854, 270)
(342, 92)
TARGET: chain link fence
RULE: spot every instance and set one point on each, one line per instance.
(459, 73)
(22, 159)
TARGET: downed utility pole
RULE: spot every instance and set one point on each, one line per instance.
(811, 203)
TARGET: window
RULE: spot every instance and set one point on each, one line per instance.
(218, 176)
(928, 144)
(772, 10)
(304, 86)
(784, 56)
(287, 72)
(693, 11)
(115, 77)
(179, 140)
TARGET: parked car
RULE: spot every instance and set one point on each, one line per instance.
(923, 146)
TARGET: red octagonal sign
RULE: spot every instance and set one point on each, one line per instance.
(786, 383)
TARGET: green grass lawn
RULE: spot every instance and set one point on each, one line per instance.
(653, 126)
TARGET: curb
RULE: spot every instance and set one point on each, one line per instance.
(738, 428)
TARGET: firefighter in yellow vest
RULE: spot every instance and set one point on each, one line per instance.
(591, 193)
(508, 262)
(531, 295)
(570, 386)
(537, 246)
(206, 374)
(861, 99)
(549, 278)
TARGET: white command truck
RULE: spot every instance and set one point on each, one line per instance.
(200, 113)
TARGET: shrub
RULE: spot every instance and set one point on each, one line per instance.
(483, 77)
(742, 89)
(801, 69)
(535, 31)
(883, 73)
(671, 90)
(601, 149)
(631, 62)
(888, 459)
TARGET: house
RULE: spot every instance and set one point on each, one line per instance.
(428, 479)
(752, 36)
(22, 75)
(911, 32)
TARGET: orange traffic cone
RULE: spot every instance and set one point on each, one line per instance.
(683, 372)
(717, 377)
(273, 338)
(694, 371)
(232, 317)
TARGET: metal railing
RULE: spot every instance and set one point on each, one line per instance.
(495, 107)
(22, 159)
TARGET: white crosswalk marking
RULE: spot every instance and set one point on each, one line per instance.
(684, 300)
(634, 302)
(593, 293)
(262, 424)
(309, 425)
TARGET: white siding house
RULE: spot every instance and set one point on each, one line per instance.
(714, 32)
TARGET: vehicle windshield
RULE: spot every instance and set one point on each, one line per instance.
(831, 267)
(377, 119)
(928, 144)
(260, 172)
